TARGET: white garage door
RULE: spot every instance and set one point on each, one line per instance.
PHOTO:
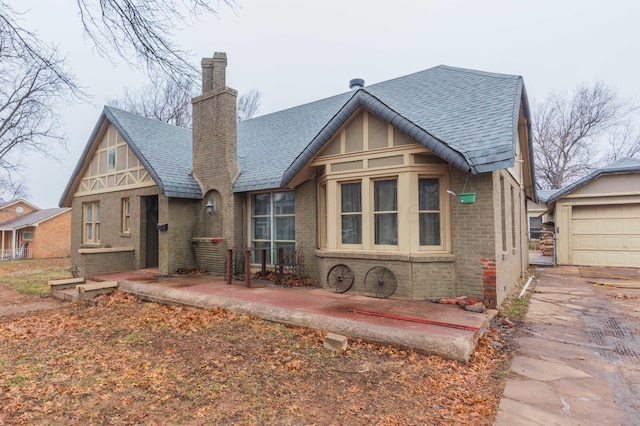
(606, 235)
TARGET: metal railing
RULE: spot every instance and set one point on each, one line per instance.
(13, 254)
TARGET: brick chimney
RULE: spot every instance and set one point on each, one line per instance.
(214, 126)
(215, 163)
(214, 72)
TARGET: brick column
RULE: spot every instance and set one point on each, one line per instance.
(489, 292)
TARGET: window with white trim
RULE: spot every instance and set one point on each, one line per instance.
(351, 212)
(273, 224)
(126, 216)
(27, 236)
(429, 211)
(385, 212)
(91, 215)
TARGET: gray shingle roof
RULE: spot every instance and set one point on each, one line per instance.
(623, 165)
(163, 149)
(545, 194)
(470, 118)
(31, 219)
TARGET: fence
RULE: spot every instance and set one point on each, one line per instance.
(12, 254)
(288, 267)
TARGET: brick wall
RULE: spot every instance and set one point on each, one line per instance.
(52, 238)
(510, 260)
(10, 213)
(104, 263)
(110, 225)
(209, 255)
(473, 231)
(176, 251)
(307, 224)
(489, 293)
(418, 277)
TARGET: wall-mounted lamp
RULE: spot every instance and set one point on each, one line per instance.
(211, 207)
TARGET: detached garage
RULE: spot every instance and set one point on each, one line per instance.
(598, 217)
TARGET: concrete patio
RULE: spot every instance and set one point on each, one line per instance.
(444, 330)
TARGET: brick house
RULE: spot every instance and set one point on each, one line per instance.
(27, 232)
(364, 182)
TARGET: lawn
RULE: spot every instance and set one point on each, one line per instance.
(30, 276)
(133, 362)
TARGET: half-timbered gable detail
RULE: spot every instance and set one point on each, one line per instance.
(113, 166)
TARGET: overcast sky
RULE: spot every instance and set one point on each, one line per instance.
(297, 51)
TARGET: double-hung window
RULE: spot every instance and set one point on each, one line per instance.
(126, 216)
(385, 211)
(351, 216)
(429, 211)
(273, 224)
(91, 230)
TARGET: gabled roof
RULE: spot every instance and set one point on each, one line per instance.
(623, 165)
(20, 200)
(469, 118)
(31, 219)
(163, 149)
(545, 194)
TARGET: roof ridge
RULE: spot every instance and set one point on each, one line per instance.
(479, 72)
(144, 117)
(296, 107)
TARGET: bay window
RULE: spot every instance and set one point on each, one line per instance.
(404, 212)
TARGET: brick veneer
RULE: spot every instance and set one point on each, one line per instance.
(489, 294)
(52, 238)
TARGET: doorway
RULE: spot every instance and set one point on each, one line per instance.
(149, 206)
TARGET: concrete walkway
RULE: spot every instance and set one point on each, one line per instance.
(444, 330)
(578, 359)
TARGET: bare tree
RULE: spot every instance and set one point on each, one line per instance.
(566, 132)
(167, 101)
(139, 31)
(248, 104)
(34, 77)
(11, 189)
(33, 80)
(170, 102)
(623, 142)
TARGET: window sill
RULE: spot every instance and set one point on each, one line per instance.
(125, 235)
(97, 250)
(422, 257)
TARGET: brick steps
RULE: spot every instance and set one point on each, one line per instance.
(74, 289)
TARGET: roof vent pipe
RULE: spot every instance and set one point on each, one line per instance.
(356, 83)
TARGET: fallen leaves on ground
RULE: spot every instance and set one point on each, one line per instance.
(132, 362)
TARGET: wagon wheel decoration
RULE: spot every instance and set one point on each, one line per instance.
(380, 282)
(340, 278)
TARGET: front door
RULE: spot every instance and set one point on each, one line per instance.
(150, 218)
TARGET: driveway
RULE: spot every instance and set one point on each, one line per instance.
(578, 358)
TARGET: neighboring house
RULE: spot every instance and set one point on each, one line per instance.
(362, 179)
(597, 218)
(27, 232)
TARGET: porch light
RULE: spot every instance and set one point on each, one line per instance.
(211, 207)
